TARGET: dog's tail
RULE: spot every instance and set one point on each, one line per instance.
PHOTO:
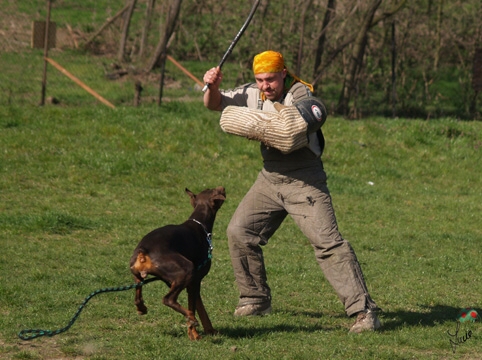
(143, 263)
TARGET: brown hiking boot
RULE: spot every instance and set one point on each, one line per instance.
(365, 321)
(253, 309)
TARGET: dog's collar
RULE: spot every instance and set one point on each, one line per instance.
(209, 237)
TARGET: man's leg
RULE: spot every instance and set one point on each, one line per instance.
(312, 210)
(255, 220)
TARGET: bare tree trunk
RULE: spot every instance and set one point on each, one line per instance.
(330, 13)
(438, 45)
(356, 59)
(147, 26)
(161, 49)
(125, 31)
(302, 33)
(394, 72)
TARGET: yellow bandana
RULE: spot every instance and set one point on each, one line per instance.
(273, 62)
(268, 62)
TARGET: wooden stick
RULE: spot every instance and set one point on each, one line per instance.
(80, 83)
(184, 70)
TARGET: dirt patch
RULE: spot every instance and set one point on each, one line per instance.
(15, 32)
(44, 349)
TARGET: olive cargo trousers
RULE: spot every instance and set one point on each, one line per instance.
(304, 195)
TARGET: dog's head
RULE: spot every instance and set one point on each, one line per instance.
(213, 197)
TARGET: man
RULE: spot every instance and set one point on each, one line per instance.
(291, 183)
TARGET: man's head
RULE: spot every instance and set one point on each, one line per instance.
(270, 73)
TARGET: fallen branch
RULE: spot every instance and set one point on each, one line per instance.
(107, 23)
(72, 36)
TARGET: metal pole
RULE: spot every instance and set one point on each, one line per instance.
(161, 79)
(46, 53)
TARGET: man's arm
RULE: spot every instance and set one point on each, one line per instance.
(212, 96)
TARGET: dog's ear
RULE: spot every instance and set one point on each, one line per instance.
(218, 197)
(218, 200)
(192, 196)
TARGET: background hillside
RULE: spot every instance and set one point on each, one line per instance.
(415, 59)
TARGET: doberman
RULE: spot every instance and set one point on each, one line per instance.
(180, 255)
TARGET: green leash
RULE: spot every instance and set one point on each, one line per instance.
(29, 334)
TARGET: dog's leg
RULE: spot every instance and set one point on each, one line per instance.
(193, 295)
(203, 315)
(178, 272)
(140, 266)
(171, 300)
(138, 300)
(196, 304)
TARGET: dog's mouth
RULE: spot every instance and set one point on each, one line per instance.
(221, 191)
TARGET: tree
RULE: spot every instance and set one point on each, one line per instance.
(147, 27)
(306, 6)
(356, 59)
(159, 56)
(331, 40)
(436, 57)
(125, 30)
(329, 14)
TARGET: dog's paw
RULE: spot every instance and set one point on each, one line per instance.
(142, 309)
(193, 334)
(211, 332)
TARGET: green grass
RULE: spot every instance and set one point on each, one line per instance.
(80, 186)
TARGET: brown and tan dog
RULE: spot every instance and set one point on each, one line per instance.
(180, 255)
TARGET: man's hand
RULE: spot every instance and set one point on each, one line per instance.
(213, 77)
(212, 96)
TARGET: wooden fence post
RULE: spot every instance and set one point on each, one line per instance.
(46, 53)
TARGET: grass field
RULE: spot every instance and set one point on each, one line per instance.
(79, 187)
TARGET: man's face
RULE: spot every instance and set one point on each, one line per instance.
(271, 84)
